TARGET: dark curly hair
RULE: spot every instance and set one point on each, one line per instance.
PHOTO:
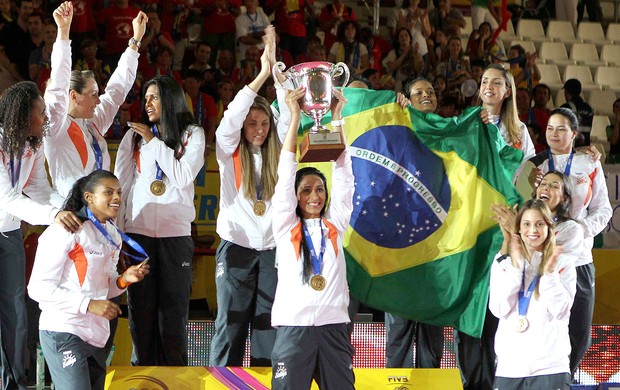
(16, 104)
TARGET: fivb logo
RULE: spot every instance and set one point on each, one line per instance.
(401, 382)
(402, 192)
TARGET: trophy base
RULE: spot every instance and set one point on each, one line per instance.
(321, 147)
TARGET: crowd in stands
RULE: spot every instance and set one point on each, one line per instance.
(216, 51)
(213, 46)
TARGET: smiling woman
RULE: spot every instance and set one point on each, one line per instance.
(590, 207)
(532, 290)
(247, 150)
(79, 116)
(64, 263)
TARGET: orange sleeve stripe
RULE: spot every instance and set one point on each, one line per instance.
(237, 167)
(296, 239)
(79, 260)
(589, 196)
(77, 137)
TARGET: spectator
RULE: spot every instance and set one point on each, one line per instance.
(39, 63)
(440, 86)
(83, 25)
(523, 67)
(202, 55)
(226, 68)
(249, 68)
(404, 61)
(226, 92)
(572, 93)
(374, 78)
(201, 105)
(449, 106)
(291, 22)
(219, 24)
(35, 28)
(444, 16)
(331, 16)
(250, 26)
(154, 38)
(440, 48)
(538, 137)
(541, 95)
(415, 19)
(456, 68)
(524, 106)
(162, 65)
(595, 13)
(481, 45)
(6, 13)
(613, 136)
(115, 27)
(88, 60)
(377, 47)
(482, 11)
(16, 42)
(567, 10)
(348, 49)
(317, 53)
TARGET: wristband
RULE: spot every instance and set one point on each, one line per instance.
(133, 41)
(121, 284)
(338, 122)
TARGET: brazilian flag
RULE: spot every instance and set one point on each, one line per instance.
(421, 241)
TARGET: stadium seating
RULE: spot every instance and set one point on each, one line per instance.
(602, 101)
(550, 75)
(583, 74)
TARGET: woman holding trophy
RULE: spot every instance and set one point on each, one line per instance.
(247, 151)
(310, 307)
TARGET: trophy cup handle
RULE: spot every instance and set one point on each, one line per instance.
(278, 70)
(341, 68)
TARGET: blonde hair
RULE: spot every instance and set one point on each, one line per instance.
(549, 243)
(508, 113)
(270, 151)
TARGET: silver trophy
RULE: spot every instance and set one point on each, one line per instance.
(319, 144)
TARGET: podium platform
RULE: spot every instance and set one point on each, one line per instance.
(259, 378)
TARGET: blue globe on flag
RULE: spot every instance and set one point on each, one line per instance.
(402, 192)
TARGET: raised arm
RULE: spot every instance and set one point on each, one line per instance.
(57, 91)
(292, 102)
(265, 68)
(63, 15)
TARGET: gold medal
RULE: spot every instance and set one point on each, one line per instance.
(522, 324)
(259, 208)
(318, 282)
(158, 187)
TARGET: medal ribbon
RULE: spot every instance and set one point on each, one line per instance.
(130, 241)
(569, 162)
(15, 172)
(317, 261)
(160, 174)
(526, 296)
(96, 148)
